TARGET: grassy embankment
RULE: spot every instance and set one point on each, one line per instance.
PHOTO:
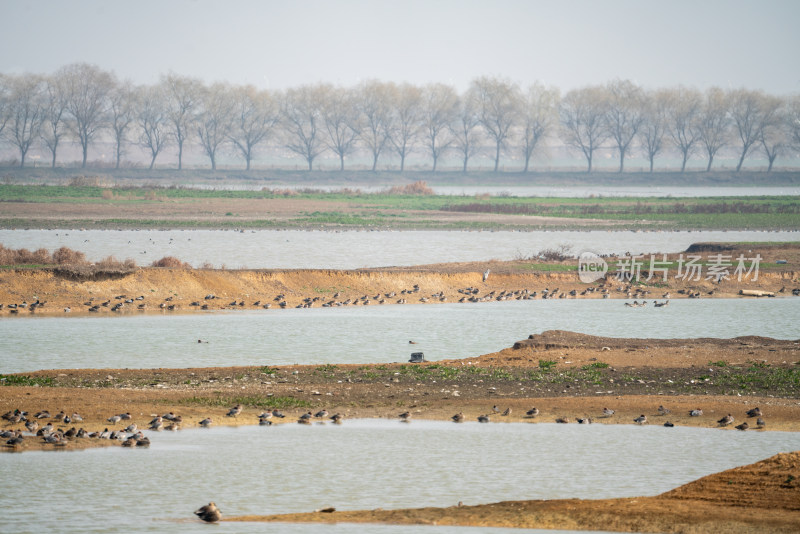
(355, 209)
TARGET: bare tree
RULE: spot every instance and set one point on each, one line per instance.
(26, 112)
(624, 115)
(466, 130)
(439, 109)
(713, 125)
(213, 119)
(774, 136)
(338, 119)
(654, 126)
(582, 114)
(255, 114)
(405, 120)
(55, 111)
(538, 112)
(152, 118)
(183, 98)
(301, 117)
(683, 113)
(372, 120)
(121, 114)
(86, 89)
(4, 101)
(751, 112)
(496, 105)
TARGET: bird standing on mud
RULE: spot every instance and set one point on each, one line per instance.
(209, 513)
(485, 275)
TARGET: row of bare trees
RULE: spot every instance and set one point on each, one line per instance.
(83, 103)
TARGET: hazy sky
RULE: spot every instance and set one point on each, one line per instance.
(280, 44)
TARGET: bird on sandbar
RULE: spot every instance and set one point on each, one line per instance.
(458, 418)
(533, 412)
(584, 420)
(233, 412)
(696, 412)
(668, 424)
(336, 418)
(725, 421)
(405, 417)
(662, 410)
(608, 412)
(495, 409)
(760, 423)
(278, 413)
(485, 274)
(562, 420)
(321, 414)
(114, 419)
(642, 419)
(207, 422)
(743, 426)
(755, 412)
(506, 413)
(483, 418)
(209, 513)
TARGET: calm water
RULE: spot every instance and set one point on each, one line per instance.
(371, 334)
(293, 468)
(296, 249)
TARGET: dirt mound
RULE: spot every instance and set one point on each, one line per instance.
(562, 339)
(773, 483)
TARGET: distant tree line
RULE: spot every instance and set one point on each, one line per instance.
(83, 103)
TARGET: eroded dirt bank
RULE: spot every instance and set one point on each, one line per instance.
(162, 290)
(761, 497)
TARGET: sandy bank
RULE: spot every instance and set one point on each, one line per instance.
(762, 497)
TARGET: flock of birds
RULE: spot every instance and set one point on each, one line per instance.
(606, 413)
(41, 424)
(119, 303)
(132, 436)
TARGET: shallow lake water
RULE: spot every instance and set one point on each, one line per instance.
(374, 334)
(298, 249)
(361, 464)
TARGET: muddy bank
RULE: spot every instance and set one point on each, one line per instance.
(564, 375)
(163, 290)
(761, 497)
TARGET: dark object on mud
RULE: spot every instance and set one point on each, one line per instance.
(209, 513)
(417, 357)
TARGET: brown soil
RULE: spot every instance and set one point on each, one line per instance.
(762, 497)
(279, 211)
(163, 289)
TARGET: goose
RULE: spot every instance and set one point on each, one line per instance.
(725, 421)
(755, 412)
(209, 513)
